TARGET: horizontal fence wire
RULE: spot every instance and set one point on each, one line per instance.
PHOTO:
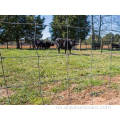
(72, 54)
(64, 25)
(68, 78)
(54, 81)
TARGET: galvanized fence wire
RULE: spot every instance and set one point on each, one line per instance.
(91, 64)
(39, 57)
(49, 82)
(38, 64)
(110, 55)
(60, 24)
(4, 77)
(110, 64)
(18, 23)
(67, 66)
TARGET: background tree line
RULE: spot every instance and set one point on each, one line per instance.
(14, 32)
(82, 28)
(106, 38)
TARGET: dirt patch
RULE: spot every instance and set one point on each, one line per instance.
(50, 86)
(96, 95)
(4, 93)
(115, 79)
(99, 95)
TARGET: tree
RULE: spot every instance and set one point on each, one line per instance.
(93, 31)
(30, 29)
(99, 33)
(18, 31)
(59, 27)
(107, 39)
(5, 33)
(14, 31)
(117, 38)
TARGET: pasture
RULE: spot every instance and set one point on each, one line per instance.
(80, 78)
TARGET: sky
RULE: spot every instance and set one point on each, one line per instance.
(107, 27)
(48, 20)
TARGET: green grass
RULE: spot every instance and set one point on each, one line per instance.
(24, 71)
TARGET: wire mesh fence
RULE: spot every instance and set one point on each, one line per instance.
(87, 76)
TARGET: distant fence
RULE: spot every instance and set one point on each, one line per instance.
(28, 46)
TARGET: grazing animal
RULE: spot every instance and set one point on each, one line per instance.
(48, 44)
(43, 44)
(65, 44)
(113, 45)
(37, 43)
(96, 46)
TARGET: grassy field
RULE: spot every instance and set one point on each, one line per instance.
(57, 73)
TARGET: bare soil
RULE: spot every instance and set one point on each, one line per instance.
(4, 93)
(96, 95)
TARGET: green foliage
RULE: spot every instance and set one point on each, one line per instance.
(13, 32)
(115, 38)
(59, 88)
(59, 29)
(89, 40)
(39, 101)
(107, 38)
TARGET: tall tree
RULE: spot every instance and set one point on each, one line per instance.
(30, 28)
(17, 31)
(78, 27)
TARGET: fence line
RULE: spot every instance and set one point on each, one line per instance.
(67, 66)
(68, 79)
(64, 25)
(49, 82)
(40, 87)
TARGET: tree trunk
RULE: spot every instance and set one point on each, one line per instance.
(99, 36)
(17, 44)
(30, 45)
(86, 44)
(21, 45)
(7, 44)
(80, 43)
(33, 45)
(99, 29)
(93, 33)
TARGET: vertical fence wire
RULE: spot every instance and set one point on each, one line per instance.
(67, 64)
(91, 62)
(110, 64)
(5, 81)
(38, 64)
(111, 40)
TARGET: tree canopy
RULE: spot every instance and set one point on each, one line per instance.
(78, 26)
(13, 32)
